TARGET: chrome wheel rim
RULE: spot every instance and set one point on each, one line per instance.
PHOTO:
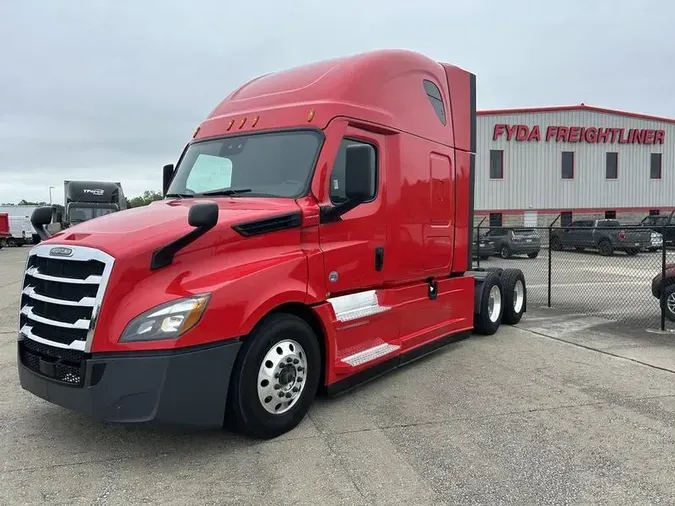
(494, 303)
(281, 377)
(670, 302)
(518, 296)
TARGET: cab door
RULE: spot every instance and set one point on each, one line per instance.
(354, 245)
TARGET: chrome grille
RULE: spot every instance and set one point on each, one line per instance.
(61, 295)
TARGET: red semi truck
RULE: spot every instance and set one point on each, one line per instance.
(315, 232)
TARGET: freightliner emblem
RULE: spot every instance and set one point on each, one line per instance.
(60, 251)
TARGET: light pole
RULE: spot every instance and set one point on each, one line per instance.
(50, 195)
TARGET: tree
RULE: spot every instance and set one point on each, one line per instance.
(143, 200)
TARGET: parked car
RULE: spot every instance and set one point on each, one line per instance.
(607, 236)
(509, 241)
(484, 247)
(669, 295)
(657, 224)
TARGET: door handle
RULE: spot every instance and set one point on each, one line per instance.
(379, 258)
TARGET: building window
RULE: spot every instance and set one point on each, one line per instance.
(495, 220)
(612, 166)
(655, 166)
(654, 212)
(610, 215)
(567, 166)
(496, 164)
(566, 218)
(434, 96)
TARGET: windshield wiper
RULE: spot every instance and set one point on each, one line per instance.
(227, 191)
(180, 195)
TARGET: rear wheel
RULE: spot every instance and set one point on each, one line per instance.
(556, 244)
(513, 285)
(275, 378)
(505, 252)
(11, 242)
(632, 252)
(534, 254)
(605, 248)
(487, 321)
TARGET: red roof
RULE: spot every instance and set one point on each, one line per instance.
(576, 107)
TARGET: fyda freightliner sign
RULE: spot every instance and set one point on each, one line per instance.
(590, 135)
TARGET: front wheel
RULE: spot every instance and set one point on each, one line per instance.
(556, 244)
(669, 302)
(275, 378)
(505, 252)
(534, 254)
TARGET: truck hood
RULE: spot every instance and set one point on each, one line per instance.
(137, 230)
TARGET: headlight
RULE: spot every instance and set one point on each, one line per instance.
(167, 321)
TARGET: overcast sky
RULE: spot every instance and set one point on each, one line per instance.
(112, 89)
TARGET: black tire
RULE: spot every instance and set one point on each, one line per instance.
(484, 257)
(605, 248)
(245, 412)
(631, 252)
(669, 291)
(534, 254)
(482, 323)
(505, 251)
(556, 244)
(512, 279)
(11, 242)
(580, 249)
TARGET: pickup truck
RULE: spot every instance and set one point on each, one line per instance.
(663, 224)
(607, 236)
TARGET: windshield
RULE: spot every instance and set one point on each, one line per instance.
(277, 164)
(78, 214)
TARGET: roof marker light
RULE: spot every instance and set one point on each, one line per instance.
(242, 122)
(255, 121)
(230, 124)
(196, 132)
(310, 116)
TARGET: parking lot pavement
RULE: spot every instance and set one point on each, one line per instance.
(617, 288)
(531, 415)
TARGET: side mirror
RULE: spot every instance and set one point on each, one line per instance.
(203, 215)
(41, 217)
(359, 172)
(167, 175)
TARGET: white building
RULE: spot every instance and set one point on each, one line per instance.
(582, 161)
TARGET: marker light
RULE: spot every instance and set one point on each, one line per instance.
(242, 123)
(255, 121)
(230, 124)
(310, 116)
(166, 321)
(196, 132)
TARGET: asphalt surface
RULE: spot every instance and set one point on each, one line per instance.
(563, 409)
(617, 288)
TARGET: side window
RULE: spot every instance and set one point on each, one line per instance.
(209, 172)
(436, 99)
(566, 219)
(337, 175)
(495, 220)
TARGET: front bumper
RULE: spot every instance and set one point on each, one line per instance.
(185, 387)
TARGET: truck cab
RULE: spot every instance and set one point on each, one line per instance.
(315, 232)
(85, 200)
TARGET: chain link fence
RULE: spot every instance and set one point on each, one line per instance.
(602, 268)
